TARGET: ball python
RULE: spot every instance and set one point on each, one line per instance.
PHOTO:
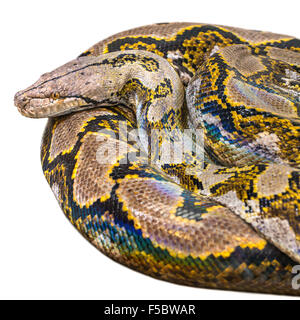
(174, 149)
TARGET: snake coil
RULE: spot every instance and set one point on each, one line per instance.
(174, 149)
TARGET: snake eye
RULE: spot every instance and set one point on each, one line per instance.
(54, 95)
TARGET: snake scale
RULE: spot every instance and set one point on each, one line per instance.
(224, 212)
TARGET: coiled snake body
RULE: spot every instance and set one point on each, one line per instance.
(226, 214)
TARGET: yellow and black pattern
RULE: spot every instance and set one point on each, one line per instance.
(176, 236)
(227, 220)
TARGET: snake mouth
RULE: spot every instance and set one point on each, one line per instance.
(44, 107)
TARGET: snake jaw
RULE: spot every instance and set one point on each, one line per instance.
(36, 107)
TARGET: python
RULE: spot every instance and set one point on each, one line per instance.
(227, 220)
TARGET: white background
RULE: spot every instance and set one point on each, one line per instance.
(41, 254)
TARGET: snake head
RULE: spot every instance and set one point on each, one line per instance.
(61, 91)
(122, 77)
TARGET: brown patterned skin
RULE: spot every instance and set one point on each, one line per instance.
(230, 222)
